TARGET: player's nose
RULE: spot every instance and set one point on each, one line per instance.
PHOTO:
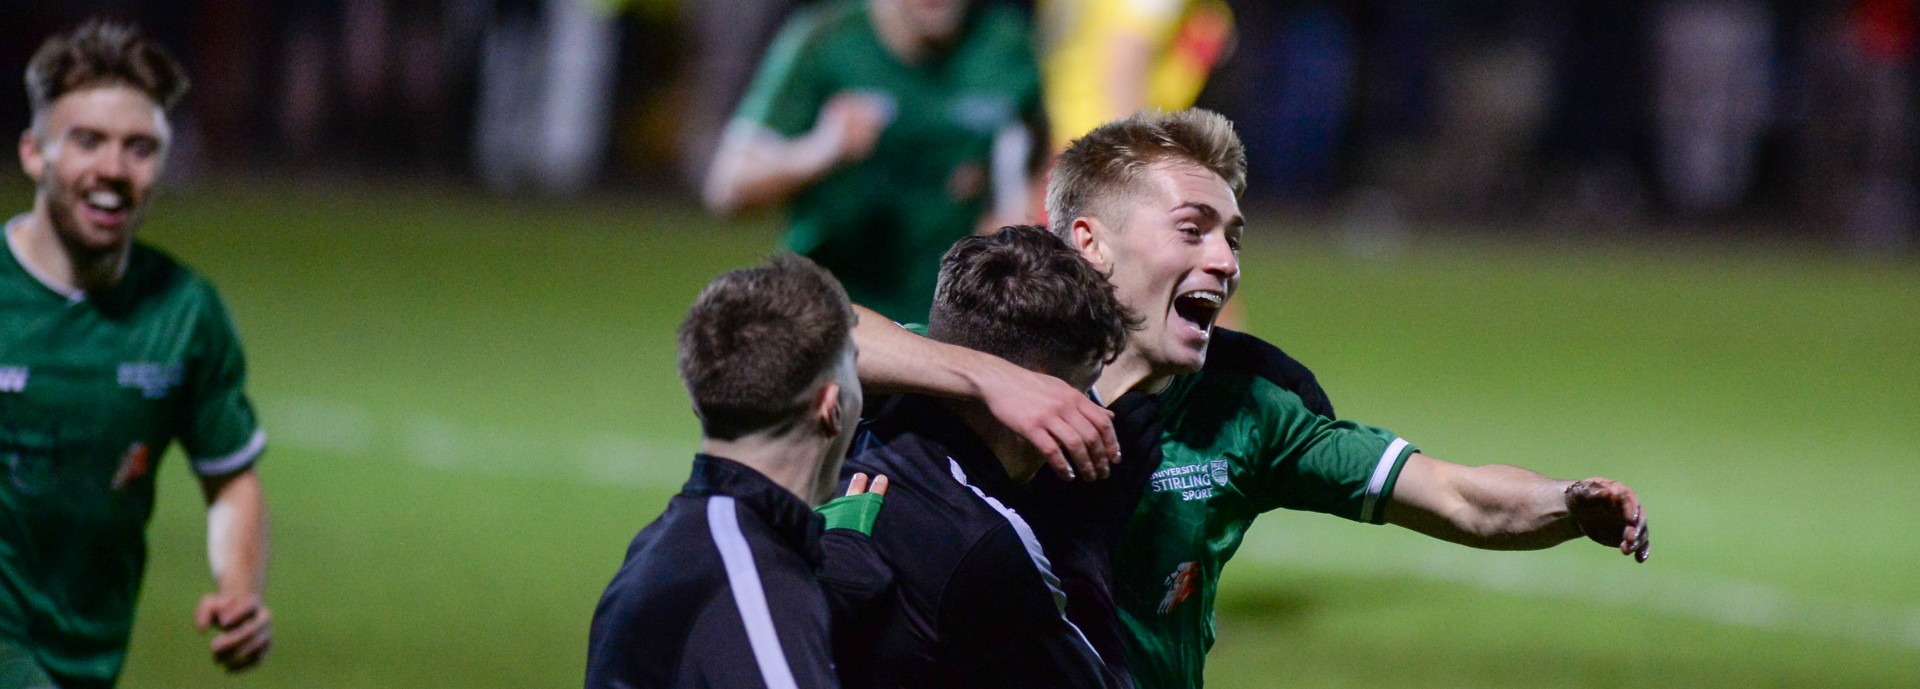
(111, 163)
(1219, 258)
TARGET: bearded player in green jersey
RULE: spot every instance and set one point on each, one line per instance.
(888, 128)
(1153, 202)
(109, 351)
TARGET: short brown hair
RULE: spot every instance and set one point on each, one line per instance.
(1024, 295)
(1108, 161)
(758, 341)
(103, 53)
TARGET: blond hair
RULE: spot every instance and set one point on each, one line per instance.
(1106, 164)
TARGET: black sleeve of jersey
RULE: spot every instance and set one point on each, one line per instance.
(1270, 362)
(1000, 627)
(859, 584)
(852, 573)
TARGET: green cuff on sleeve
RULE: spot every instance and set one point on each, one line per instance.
(857, 512)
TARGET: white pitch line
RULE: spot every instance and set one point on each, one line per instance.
(349, 430)
(433, 441)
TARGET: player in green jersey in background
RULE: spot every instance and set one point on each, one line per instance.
(109, 351)
(1153, 202)
(889, 129)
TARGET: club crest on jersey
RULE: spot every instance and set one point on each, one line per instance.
(1181, 585)
(13, 379)
(1219, 472)
(152, 380)
(133, 465)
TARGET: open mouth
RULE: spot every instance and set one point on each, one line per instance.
(106, 201)
(1199, 307)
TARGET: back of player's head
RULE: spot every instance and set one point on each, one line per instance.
(103, 53)
(1106, 163)
(758, 341)
(1024, 295)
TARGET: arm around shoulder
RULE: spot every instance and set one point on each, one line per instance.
(1074, 432)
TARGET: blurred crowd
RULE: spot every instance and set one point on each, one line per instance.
(1741, 112)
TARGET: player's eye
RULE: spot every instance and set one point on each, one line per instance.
(86, 140)
(143, 148)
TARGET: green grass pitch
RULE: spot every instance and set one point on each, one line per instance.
(473, 406)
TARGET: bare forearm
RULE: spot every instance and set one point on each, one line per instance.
(893, 360)
(756, 168)
(1497, 507)
(237, 534)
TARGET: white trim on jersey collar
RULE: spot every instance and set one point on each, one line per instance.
(73, 296)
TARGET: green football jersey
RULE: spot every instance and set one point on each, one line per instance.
(1235, 443)
(93, 388)
(882, 224)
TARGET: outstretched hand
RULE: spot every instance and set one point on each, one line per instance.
(1608, 512)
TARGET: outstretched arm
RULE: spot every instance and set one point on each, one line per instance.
(755, 167)
(237, 553)
(1503, 507)
(1074, 433)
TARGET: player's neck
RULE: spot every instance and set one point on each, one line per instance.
(1016, 455)
(37, 245)
(1127, 373)
(790, 461)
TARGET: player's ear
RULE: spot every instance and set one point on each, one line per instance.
(826, 410)
(31, 160)
(1088, 237)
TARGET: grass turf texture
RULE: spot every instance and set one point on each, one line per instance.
(473, 407)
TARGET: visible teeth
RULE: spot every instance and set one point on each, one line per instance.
(105, 200)
(1214, 298)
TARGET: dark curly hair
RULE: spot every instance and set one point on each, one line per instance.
(1024, 295)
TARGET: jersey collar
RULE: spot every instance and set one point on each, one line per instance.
(73, 296)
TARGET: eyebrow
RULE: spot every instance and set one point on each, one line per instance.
(1210, 212)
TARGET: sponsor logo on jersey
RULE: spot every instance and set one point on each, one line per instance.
(13, 379)
(1181, 585)
(133, 465)
(153, 380)
(1192, 481)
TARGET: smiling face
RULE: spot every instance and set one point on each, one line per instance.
(1171, 250)
(94, 155)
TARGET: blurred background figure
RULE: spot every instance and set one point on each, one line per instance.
(1106, 59)
(546, 94)
(732, 34)
(1713, 96)
(888, 129)
(1754, 116)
